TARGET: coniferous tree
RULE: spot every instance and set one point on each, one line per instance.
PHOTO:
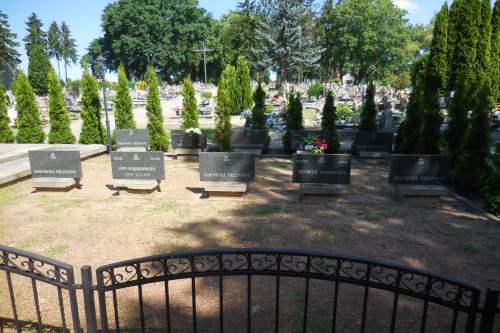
(124, 116)
(158, 136)
(189, 106)
(491, 190)
(69, 53)
(35, 36)
(225, 104)
(326, 31)
(244, 87)
(483, 52)
(6, 135)
(472, 167)
(259, 109)
(293, 119)
(93, 131)
(8, 53)
(436, 77)
(38, 69)
(457, 125)
(369, 114)
(55, 45)
(29, 125)
(495, 54)
(328, 123)
(60, 123)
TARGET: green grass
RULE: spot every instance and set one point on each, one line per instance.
(55, 250)
(7, 196)
(57, 206)
(268, 210)
(164, 207)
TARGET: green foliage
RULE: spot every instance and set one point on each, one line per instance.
(8, 51)
(293, 119)
(60, 124)
(69, 53)
(369, 114)
(35, 36)
(491, 190)
(6, 135)
(55, 44)
(495, 54)
(73, 87)
(315, 90)
(483, 53)
(243, 87)
(29, 126)
(92, 129)
(328, 123)
(124, 116)
(206, 94)
(259, 109)
(38, 70)
(457, 124)
(224, 108)
(343, 111)
(325, 29)
(189, 106)
(158, 136)
(472, 167)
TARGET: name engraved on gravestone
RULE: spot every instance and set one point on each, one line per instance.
(300, 136)
(138, 165)
(373, 141)
(55, 164)
(180, 140)
(132, 138)
(227, 167)
(248, 139)
(419, 169)
(322, 169)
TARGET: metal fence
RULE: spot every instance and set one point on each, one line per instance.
(388, 286)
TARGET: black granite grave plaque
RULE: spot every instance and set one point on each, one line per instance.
(419, 169)
(181, 140)
(138, 165)
(373, 141)
(322, 169)
(248, 139)
(132, 138)
(227, 167)
(55, 164)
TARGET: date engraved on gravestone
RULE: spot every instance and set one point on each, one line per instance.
(138, 165)
(322, 169)
(227, 167)
(55, 164)
(132, 138)
(419, 169)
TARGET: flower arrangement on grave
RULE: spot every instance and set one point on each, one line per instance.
(315, 145)
(195, 134)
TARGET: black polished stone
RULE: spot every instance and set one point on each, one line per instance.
(132, 138)
(322, 169)
(373, 141)
(138, 165)
(180, 140)
(248, 139)
(55, 164)
(419, 169)
(227, 167)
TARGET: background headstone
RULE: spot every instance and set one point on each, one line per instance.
(132, 138)
(373, 141)
(248, 139)
(180, 140)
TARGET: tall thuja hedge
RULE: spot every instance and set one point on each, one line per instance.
(189, 105)
(458, 122)
(491, 189)
(472, 167)
(369, 113)
(259, 109)
(60, 123)
(224, 107)
(38, 69)
(124, 116)
(157, 135)
(328, 123)
(495, 54)
(293, 119)
(243, 84)
(93, 131)
(29, 125)
(6, 135)
(436, 79)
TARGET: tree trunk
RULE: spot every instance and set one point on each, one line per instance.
(58, 69)
(66, 71)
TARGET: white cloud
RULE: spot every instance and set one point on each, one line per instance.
(407, 5)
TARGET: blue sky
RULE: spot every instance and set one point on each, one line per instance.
(83, 17)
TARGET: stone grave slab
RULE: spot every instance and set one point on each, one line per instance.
(132, 138)
(252, 141)
(55, 168)
(373, 144)
(184, 144)
(138, 170)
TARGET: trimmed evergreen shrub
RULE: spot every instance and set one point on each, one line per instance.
(259, 109)
(369, 114)
(124, 116)
(328, 123)
(38, 69)
(93, 132)
(243, 84)
(457, 124)
(293, 119)
(225, 104)
(6, 134)
(158, 137)
(60, 123)
(491, 189)
(29, 125)
(189, 106)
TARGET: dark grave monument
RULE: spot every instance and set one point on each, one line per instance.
(187, 144)
(227, 173)
(300, 136)
(55, 169)
(373, 144)
(420, 175)
(138, 170)
(132, 139)
(322, 174)
(251, 141)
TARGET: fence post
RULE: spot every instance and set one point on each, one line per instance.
(490, 311)
(88, 299)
